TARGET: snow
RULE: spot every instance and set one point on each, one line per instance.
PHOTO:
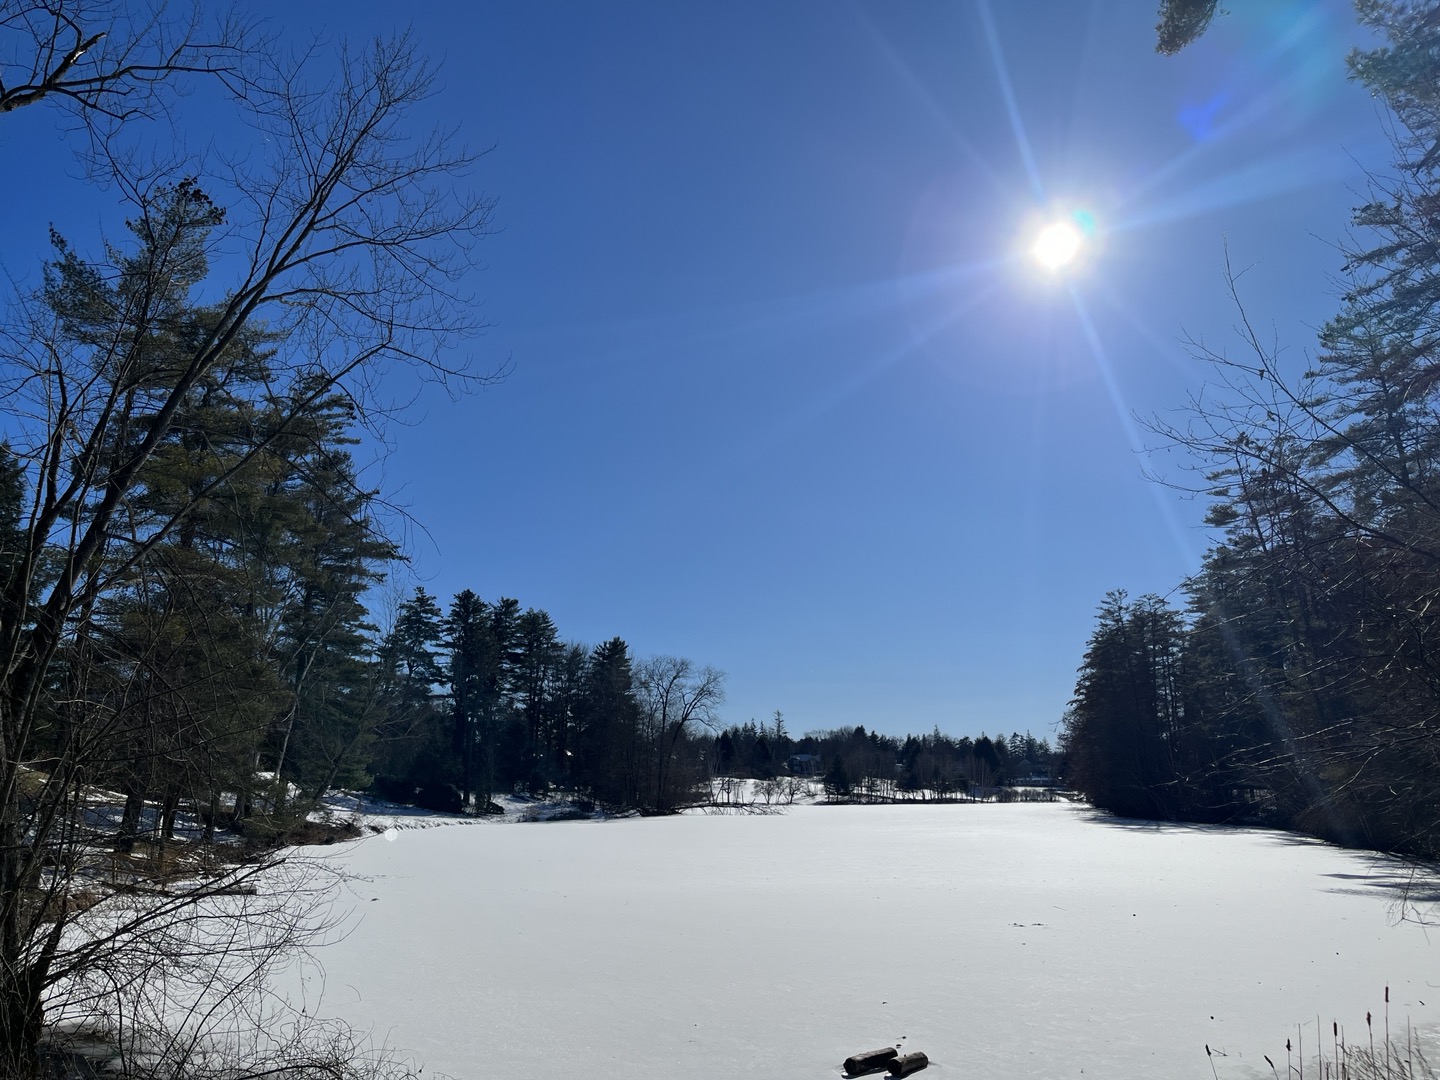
(369, 814)
(1035, 940)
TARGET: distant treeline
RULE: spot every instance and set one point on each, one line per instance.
(1299, 685)
(852, 761)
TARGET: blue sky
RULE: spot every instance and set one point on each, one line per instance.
(788, 395)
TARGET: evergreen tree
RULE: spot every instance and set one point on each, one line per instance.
(412, 650)
(567, 704)
(326, 639)
(415, 761)
(1120, 729)
(467, 628)
(1182, 22)
(12, 494)
(609, 759)
(534, 679)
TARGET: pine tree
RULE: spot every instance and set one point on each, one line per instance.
(12, 494)
(608, 748)
(537, 657)
(467, 628)
(1182, 22)
(1121, 727)
(326, 641)
(414, 761)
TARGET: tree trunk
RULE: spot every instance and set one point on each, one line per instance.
(21, 1019)
(870, 1060)
(167, 826)
(21, 1013)
(243, 806)
(910, 1063)
(130, 819)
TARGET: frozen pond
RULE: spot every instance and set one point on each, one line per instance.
(1035, 940)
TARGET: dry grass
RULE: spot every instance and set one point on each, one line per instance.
(1381, 1055)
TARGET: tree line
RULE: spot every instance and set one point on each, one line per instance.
(485, 697)
(1298, 680)
(854, 762)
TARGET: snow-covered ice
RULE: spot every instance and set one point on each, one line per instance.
(1024, 940)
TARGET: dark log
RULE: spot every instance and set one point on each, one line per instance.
(910, 1063)
(869, 1061)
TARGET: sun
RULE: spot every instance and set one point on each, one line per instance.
(1057, 244)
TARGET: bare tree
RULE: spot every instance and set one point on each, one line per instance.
(107, 63)
(344, 240)
(674, 696)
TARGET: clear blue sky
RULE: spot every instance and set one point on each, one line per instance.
(789, 396)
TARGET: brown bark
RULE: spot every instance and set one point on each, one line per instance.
(910, 1063)
(869, 1061)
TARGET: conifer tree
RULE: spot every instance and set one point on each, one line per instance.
(414, 760)
(608, 753)
(1121, 726)
(467, 627)
(536, 678)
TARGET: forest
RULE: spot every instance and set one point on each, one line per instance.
(1293, 680)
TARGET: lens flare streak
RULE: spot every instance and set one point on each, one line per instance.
(1183, 544)
(1007, 91)
(758, 449)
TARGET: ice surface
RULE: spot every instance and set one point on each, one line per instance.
(1005, 941)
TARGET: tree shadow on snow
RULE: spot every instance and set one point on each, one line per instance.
(1149, 825)
(1414, 887)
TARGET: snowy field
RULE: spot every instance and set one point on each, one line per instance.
(1005, 941)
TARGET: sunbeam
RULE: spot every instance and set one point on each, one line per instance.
(901, 68)
(1183, 544)
(1171, 351)
(1007, 91)
(1264, 179)
(757, 449)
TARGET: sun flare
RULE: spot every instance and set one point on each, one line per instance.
(1057, 244)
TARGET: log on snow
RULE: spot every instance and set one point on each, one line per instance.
(870, 1060)
(910, 1063)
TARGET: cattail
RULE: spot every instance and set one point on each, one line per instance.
(1387, 1032)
